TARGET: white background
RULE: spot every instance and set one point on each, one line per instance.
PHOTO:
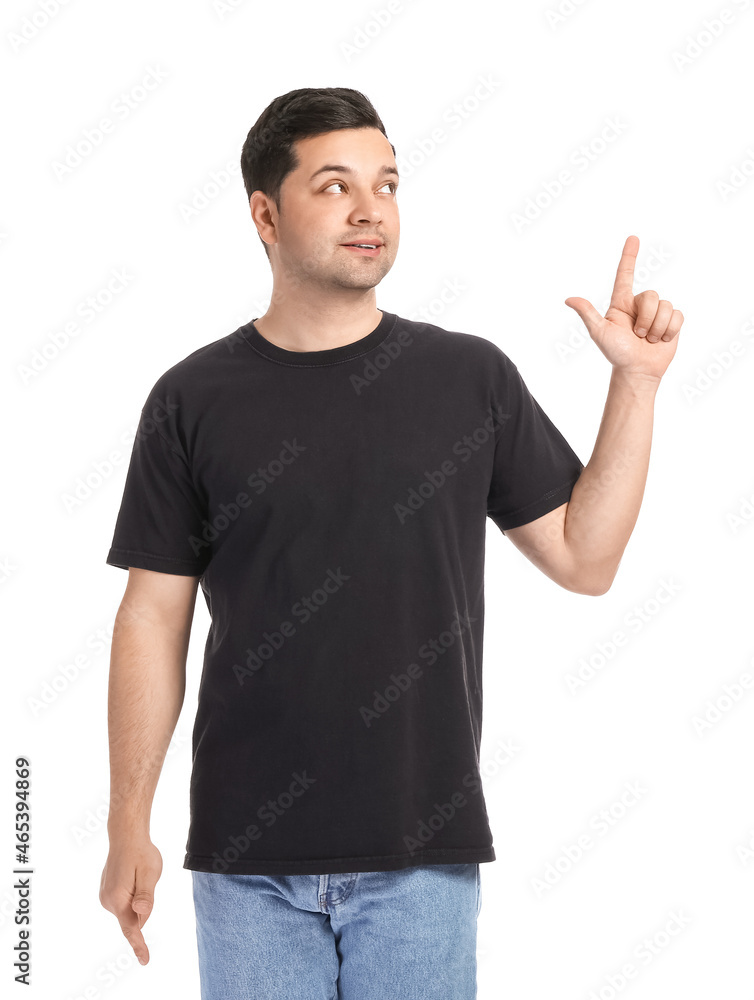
(678, 172)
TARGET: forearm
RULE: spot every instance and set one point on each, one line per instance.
(145, 695)
(606, 499)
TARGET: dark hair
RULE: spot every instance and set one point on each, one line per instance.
(268, 155)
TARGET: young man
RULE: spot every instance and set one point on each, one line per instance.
(325, 473)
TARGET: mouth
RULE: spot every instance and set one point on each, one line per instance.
(364, 249)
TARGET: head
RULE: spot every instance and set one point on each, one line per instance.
(304, 213)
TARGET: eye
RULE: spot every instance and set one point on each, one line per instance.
(391, 184)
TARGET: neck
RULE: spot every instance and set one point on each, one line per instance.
(311, 322)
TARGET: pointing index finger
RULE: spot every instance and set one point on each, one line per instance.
(624, 278)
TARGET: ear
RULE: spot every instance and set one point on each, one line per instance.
(263, 214)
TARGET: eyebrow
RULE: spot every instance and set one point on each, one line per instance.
(341, 169)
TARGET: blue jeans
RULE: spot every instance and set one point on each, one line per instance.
(397, 935)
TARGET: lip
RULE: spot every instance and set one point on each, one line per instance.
(362, 251)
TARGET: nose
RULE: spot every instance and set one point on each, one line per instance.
(366, 209)
(366, 213)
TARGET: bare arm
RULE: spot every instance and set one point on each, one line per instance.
(580, 544)
(145, 696)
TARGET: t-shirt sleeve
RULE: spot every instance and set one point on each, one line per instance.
(161, 517)
(534, 467)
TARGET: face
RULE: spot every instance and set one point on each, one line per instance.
(343, 190)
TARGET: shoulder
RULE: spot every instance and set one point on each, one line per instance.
(463, 347)
(204, 367)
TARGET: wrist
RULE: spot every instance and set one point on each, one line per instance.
(639, 382)
(130, 828)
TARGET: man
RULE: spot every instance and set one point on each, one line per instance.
(325, 473)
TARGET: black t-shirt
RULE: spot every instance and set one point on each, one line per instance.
(334, 504)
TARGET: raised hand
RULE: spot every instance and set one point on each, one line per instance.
(639, 333)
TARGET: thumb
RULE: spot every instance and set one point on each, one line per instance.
(143, 901)
(591, 318)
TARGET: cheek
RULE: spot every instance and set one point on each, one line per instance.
(317, 225)
(302, 239)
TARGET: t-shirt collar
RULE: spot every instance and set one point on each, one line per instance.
(334, 355)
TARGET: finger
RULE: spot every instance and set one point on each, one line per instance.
(674, 326)
(142, 903)
(590, 317)
(130, 925)
(660, 322)
(624, 278)
(646, 309)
